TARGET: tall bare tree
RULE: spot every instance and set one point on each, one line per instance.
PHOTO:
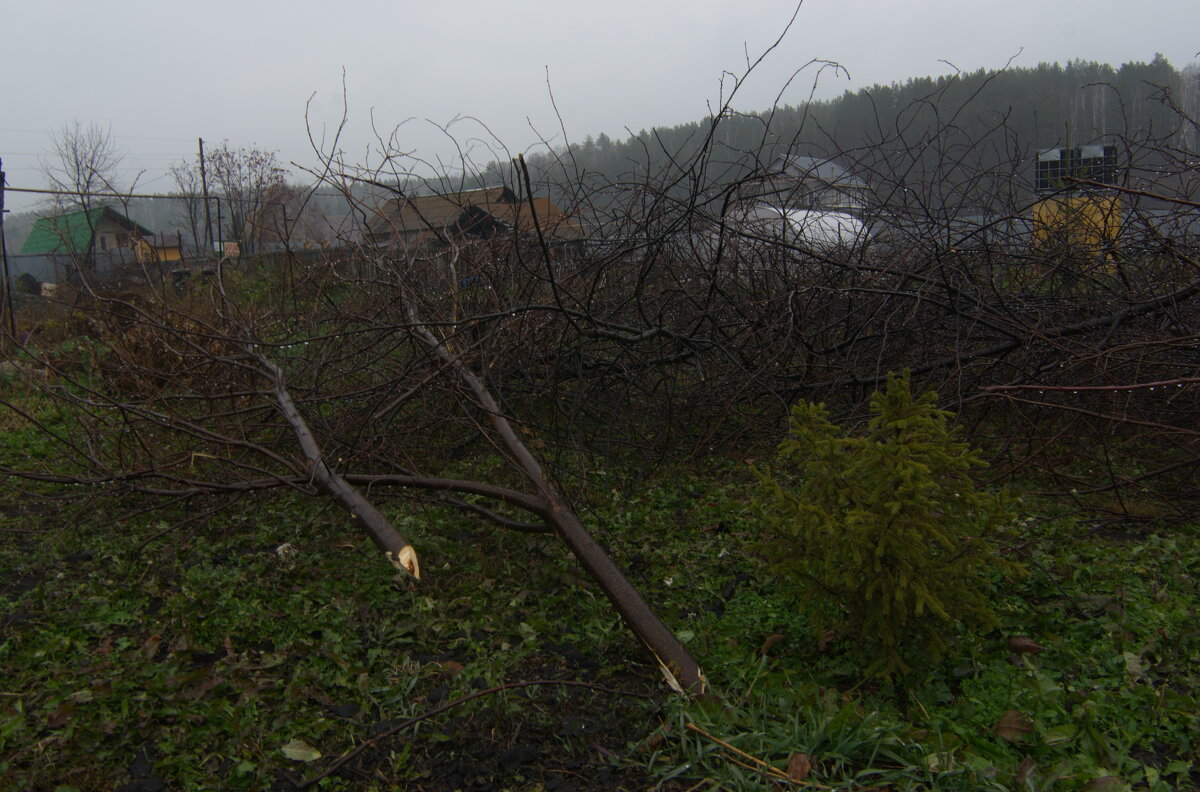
(83, 160)
(190, 209)
(248, 179)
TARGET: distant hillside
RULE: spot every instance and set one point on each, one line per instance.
(917, 133)
(1014, 111)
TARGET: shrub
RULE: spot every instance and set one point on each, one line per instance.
(27, 284)
(888, 528)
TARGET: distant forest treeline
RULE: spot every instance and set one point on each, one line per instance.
(1044, 106)
(937, 138)
(948, 139)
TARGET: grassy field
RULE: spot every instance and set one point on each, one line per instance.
(259, 647)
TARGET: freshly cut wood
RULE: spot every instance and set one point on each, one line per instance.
(395, 547)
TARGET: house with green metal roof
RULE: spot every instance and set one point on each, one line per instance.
(94, 231)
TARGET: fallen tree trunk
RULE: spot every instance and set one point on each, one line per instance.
(680, 669)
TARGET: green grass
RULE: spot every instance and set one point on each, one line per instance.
(197, 659)
(1108, 703)
(215, 649)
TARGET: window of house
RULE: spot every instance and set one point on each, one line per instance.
(103, 240)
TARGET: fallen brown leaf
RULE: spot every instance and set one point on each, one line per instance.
(1012, 726)
(769, 642)
(205, 687)
(798, 767)
(60, 716)
(1102, 783)
(150, 647)
(318, 696)
(655, 740)
(450, 668)
(1020, 644)
(1027, 767)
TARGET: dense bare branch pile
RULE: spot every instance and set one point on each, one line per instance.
(674, 328)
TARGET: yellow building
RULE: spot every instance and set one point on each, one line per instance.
(1079, 210)
(1089, 222)
(148, 250)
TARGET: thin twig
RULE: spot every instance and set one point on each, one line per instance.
(450, 705)
(182, 523)
(769, 770)
(1178, 382)
(1131, 191)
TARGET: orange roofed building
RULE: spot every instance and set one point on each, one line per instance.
(472, 215)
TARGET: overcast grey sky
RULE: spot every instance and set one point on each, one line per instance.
(162, 73)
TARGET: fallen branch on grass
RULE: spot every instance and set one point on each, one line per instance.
(757, 765)
(395, 547)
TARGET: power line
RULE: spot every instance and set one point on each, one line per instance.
(177, 196)
(123, 137)
(124, 157)
(79, 194)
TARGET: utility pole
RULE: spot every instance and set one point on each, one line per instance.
(8, 303)
(204, 186)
